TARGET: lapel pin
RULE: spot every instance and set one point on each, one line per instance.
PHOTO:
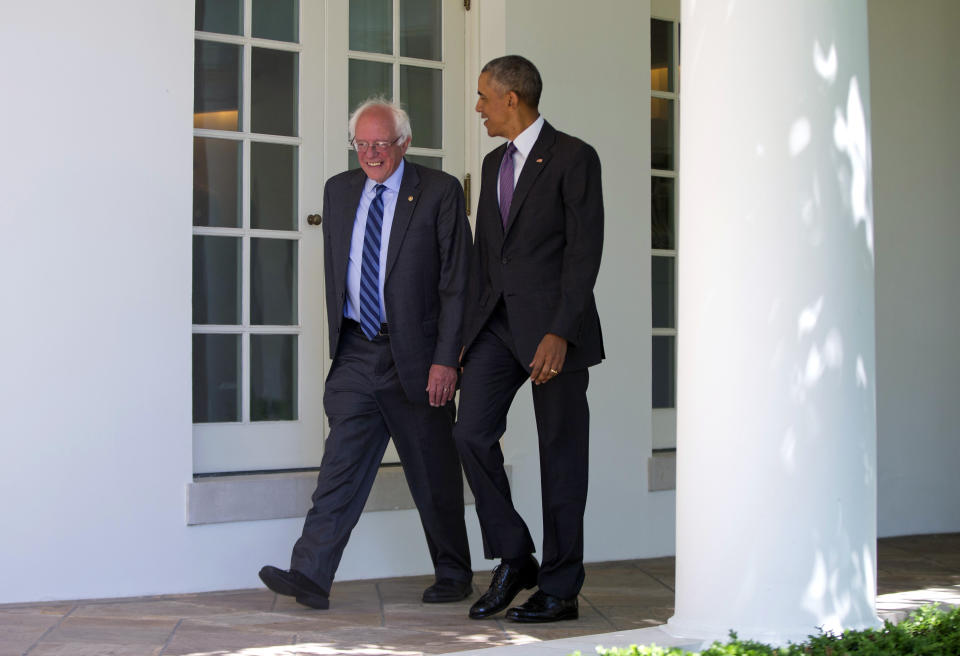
(539, 160)
(410, 198)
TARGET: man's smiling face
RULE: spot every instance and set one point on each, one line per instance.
(377, 124)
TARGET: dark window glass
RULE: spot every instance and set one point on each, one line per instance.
(664, 290)
(368, 79)
(273, 377)
(662, 230)
(661, 133)
(421, 91)
(664, 372)
(273, 282)
(276, 19)
(371, 26)
(661, 55)
(273, 186)
(216, 182)
(216, 86)
(421, 29)
(216, 280)
(273, 92)
(216, 378)
(423, 160)
(221, 16)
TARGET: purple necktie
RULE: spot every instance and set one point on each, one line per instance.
(506, 183)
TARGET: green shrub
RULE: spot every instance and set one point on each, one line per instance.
(928, 631)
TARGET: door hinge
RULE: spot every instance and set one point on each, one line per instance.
(466, 187)
(466, 4)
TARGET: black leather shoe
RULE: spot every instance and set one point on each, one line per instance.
(445, 590)
(541, 607)
(508, 581)
(295, 584)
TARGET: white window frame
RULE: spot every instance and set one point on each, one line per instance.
(664, 420)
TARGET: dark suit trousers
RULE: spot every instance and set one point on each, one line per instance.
(491, 377)
(365, 405)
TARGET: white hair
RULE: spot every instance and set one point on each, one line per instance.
(401, 121)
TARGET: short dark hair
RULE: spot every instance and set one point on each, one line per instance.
(517, 74)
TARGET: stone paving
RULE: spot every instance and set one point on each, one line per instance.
(385, 617)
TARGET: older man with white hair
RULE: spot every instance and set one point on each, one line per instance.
(396, 248)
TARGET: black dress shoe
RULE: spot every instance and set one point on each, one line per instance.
(541, 607)
(508, 581)
(445, 590)
(295, 584)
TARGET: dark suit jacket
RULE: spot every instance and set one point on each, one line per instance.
(426, 268)
(544, 265)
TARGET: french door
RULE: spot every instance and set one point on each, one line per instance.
(274, 83)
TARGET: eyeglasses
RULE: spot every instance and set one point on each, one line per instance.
(361, 146)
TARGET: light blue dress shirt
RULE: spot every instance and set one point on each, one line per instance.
(351, 309)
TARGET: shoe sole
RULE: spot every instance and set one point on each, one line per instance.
(281, 586)
(531, 620)
(490, 613)
(277, 584)
(313, 601)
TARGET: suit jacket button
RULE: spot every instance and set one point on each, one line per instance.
(504, 260)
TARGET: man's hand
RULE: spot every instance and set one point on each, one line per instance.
(441, 384)
(549, 358)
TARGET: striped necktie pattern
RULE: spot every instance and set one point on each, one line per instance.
(370, 268)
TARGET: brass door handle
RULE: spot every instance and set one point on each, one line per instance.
(314, 219)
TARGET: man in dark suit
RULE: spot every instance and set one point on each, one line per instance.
(531, 314)
(396, 247)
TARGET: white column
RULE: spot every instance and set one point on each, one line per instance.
(776, 470)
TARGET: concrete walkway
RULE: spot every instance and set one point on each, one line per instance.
(621, 603)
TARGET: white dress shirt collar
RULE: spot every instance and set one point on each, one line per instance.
(525, 140)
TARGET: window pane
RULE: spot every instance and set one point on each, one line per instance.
(216, 182)
(661, 55)
(273, 186)
(368, 79)
(216, 86)
(371, 26)
(222, 16)
(420, 29)
(421, 91)
(276, 19)
(423, 160)
(216, 378)
(661, 133)
(216, 280)
(664, 290)
(273, 92)
(273, 282)
(273, 377)
(664, 372)
(662, 230)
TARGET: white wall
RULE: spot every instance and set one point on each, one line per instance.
(916, 158)
(595, 68)
(95, 261)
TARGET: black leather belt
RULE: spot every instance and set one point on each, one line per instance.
(350, 324)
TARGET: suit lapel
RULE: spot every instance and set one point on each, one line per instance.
(537, 159)
(407, 200)
(342, 230)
